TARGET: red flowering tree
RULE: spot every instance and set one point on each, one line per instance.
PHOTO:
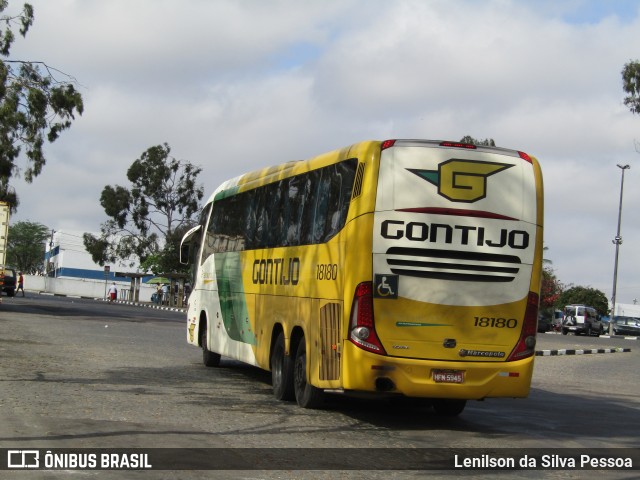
(550, 290)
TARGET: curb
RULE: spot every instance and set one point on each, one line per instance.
(121, 302)
(144, 305)
(626, 337)
(587, 351)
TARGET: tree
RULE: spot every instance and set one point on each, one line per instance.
(550, 291)
(167, 259)
(550, 288)
(631, 85)
(26, 246)
(34, 105)
(487, 142)
(584, 296)
(146, 219)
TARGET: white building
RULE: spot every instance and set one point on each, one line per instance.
(66, 257)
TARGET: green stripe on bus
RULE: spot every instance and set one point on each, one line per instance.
(233, 304)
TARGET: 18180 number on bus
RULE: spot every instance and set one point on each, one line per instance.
(326, 271)
(492, 322)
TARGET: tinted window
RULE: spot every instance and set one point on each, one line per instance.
(306, 209)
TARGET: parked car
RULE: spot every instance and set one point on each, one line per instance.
(8, 281)
(626, 326)
(544, 323)
(581, 319)
(556, 323)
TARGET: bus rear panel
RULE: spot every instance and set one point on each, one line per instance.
(451, 308)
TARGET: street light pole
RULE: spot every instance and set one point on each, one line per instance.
(617, 241)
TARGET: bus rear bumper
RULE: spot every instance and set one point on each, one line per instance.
(470, 380)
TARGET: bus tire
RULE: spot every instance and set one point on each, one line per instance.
(281, 371)
(307, 396)
(449, 408)
(209, 358)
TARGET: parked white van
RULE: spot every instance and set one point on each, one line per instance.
(581, 319)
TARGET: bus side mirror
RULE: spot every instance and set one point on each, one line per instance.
(185, 244)
(184, 254)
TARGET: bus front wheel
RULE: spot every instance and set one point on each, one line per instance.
(281, 371)
(209, 358)
(306, 394)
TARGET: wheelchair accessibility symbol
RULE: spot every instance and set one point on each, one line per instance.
(386, 286)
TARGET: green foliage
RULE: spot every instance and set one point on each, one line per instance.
(550, 290)
(584, 296)
(631, 85)
(168, 259)
(487, 142)
(34, 106)
(99, 249)
(148, 219)
(26, 246)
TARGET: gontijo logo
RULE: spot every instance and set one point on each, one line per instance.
(461, 180)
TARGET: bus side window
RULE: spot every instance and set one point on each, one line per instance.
(347, 172)
(262, 218)
(234, 223)
(332, 224)
(250, 220)
(292, 208)
(209, 237)
(307, 208)
(321, 211)
(339, 196)
(276, 231)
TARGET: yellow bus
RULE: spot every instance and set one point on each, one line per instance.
(407, 267)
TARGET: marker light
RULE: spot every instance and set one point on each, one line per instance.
(526, 157)
(458, 145)
(387, 144)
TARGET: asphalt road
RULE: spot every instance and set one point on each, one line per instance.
(89, 374)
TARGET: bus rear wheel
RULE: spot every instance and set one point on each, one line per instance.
(306, 394)
(209, 358)
(281, 371)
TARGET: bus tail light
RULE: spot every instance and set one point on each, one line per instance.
(387, 144)
(468, 146)
(527, 342)
(525, 157)
(362, 330)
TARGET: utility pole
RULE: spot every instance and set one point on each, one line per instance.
(617, 242)
(48, 269)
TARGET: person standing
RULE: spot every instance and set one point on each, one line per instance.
(113, 292)
(165, 294)
(158, 298)
(20, 283)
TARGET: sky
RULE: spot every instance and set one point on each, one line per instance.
(236, 85)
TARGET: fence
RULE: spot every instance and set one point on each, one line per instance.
(84, 287)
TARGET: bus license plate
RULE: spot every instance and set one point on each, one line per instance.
(448, 376)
